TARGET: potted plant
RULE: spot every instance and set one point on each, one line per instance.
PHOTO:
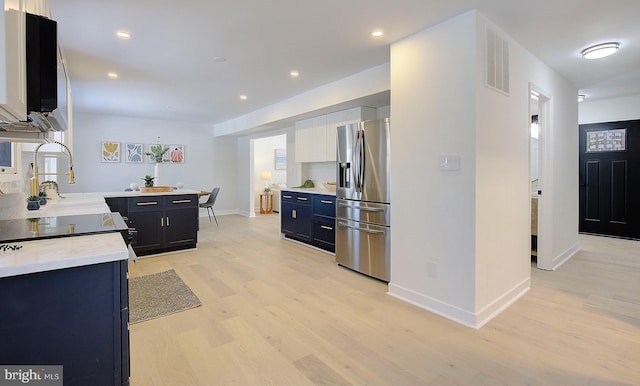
(50, 188)
(33, 203)
(148, 181)
(43, 197)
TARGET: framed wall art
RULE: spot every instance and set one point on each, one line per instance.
(110, 152)
(134, 153)
(280, 159)
(176, 154)
(155, 151)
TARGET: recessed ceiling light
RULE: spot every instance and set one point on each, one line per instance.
(377, 34)
(581, 97)
(124, 35)
(219, 59)
(243, 97)
(294, 74)
(112, 75)
(600, 50)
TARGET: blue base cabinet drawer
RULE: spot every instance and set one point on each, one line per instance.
(309, 217)
(324, 234)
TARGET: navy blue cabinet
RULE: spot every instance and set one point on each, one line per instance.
(164, 223)
(75, 317)
(324, 222)
(295, 215)
(309, 218)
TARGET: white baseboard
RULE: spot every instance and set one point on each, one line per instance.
(467, 318)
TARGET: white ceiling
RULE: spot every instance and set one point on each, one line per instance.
(168, 69)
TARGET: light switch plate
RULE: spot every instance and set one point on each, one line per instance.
(450, 162)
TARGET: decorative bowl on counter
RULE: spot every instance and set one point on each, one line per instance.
(330, 185)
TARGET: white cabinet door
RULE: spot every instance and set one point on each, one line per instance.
(304, 141)
(13, 88)
(316, 137)
(38, 7)
(319, 147)
(334, 120)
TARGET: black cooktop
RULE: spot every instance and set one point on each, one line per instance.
(60, 226)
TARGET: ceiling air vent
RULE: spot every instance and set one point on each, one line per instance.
(497, 62)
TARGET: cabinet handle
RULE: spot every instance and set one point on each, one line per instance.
(147, 203)
(286, 196)
(161, 221)
(181, 201)
(302, 198)
(167, 220)
(326, 202)
(293, 214)
(326, 227)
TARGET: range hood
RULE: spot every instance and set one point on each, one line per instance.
(46, 85)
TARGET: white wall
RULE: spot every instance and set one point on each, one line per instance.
(609, 110)
(208, 162)
(92, 175)
(264, 160)
(433, 212)
(460, 239)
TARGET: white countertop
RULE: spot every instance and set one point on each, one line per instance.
(15, 205)
(64, 252)
(316, 190)
(137, 193)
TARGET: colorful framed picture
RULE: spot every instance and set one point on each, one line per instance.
(134, 153)
(280, 159)
(156, 149)
(176, 154)
(110, 152)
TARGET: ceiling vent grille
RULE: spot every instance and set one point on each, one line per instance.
(497, 62)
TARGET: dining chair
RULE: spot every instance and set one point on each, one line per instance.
(211, 201)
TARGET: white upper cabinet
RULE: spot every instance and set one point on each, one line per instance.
(304, 140)
(38, 7)
(13, 88)
(316, 137)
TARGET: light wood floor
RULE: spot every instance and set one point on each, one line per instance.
(278, 313)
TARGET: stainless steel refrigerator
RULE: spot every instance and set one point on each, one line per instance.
(363, 202)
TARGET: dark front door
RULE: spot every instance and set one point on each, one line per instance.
(610, 179)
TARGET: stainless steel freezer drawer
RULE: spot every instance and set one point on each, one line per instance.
(364, 248)
(369, 212)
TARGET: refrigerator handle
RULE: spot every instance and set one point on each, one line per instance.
(344, 224)
(359, 160)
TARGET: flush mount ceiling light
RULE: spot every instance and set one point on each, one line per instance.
(124, 35)
(243, 97)
(294, 74)
(600, 50)
(112, 75)
(377, 34)
(581, 97)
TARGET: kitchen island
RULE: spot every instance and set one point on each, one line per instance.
(64, 300)
(165, 222)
